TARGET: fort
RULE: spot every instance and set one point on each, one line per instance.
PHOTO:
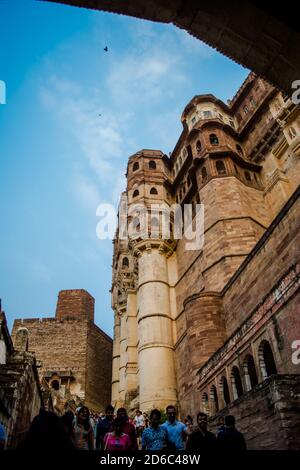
(212, 329)
(75, 354)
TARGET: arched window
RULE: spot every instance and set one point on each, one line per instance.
(135, 166)
(220, 167)
(213, 139)
(250, 372)
(153, 191)
(247, 176)
(125, 262)
(237, 385)
(55, 384)
(136, 226)
(152, 165)
(204, 173)
(207, 114)
(266, 360)
(214, 399)
(225, 390)
(205, 407)
(154, 226)
(154, 222)
(239, 149)
(198, 146)
(135, 193)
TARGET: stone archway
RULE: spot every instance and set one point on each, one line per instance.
(264, 38)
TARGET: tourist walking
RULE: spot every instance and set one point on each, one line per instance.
(177, 431)
(46, 433)
(139, 424)
(201, 439)
(128, 428)
(104, 426)
(117, 440)
(83, 430)
(229, 438)
(154, 437)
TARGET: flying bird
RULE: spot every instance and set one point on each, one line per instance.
(106, 49)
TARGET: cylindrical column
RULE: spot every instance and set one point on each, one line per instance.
(156, 352)
(131, 334)
(116, 361)
(123, 358)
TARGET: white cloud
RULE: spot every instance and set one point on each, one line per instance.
(98, 137)
(138, 80)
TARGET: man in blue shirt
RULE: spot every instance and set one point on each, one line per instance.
(155, 436)
(176, 430)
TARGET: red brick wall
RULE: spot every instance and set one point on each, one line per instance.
(75, 303)
(267, 265)
(99, 369)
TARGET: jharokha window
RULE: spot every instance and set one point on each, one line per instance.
(220, 167)
(207, 114)
(152, 165)
(213, 139)
(135, 166)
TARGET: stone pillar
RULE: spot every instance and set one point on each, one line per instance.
(131, 356)
(116, 361)
(156, 350)
(21, 340)
(123, 356)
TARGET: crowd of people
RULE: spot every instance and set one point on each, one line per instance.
(117, 432)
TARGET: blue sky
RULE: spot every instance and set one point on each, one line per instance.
(59, 159)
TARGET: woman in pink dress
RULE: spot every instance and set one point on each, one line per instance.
(116, 440)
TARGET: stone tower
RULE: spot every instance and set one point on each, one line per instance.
(75, 354)
(177, 310)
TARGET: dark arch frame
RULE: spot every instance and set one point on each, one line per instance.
(205, 20)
